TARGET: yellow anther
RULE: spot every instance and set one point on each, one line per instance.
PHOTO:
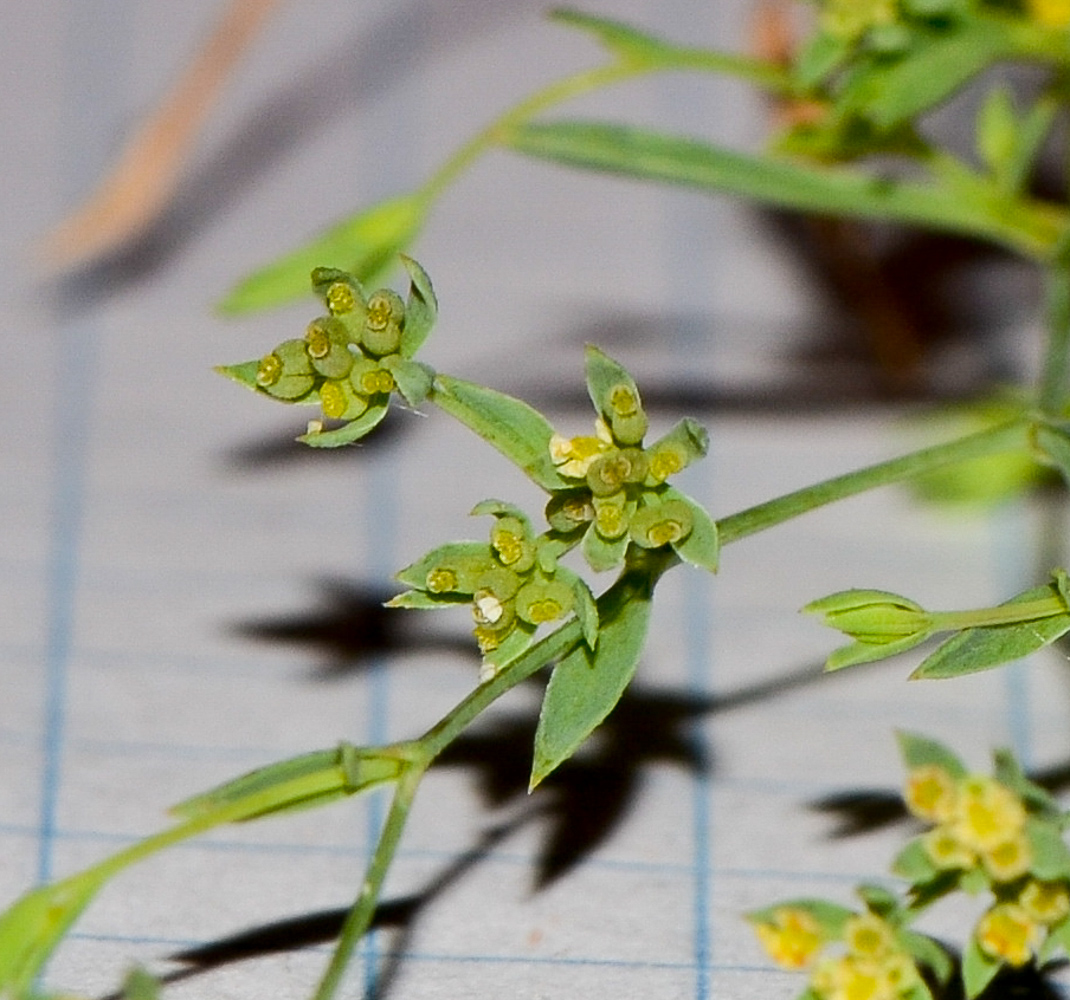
(319, 342)
(269, 371)
(665, 462)
(441, 580)
(623, 401)
(333, 399)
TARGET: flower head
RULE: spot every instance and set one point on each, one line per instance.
(1007, 932)
(792, 937)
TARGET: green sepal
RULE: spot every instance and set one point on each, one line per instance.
(468, 561)
(586, 685)
(920, 751)
(413, 378)
(349, 432)
(1051, 857)
(311, 779)
(365, 244)
(517, 430)
(857, 653)
(882, 902)
(928, 953)
(702, 547)
(1058, 939)
(603, 554)
(243, 373)
(421, 308)
(978, 969)
(830, 917)
(914, 864)
(32, 927)
(976, 649)
(422, 600)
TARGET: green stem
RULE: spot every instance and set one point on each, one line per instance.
(1007, 614)
(1055, 374)
(1013, 436)
(360, 916)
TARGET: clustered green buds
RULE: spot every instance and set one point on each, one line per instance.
(513, 583)
(351, 360)
(618, 492)
(999, 836)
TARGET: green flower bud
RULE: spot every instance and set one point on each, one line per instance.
(626, 418)
(568, 510)
(611, 515)
(544, 601)
(340, 290)
(661, 524)
(287, 372)
(368, 378)
(511, 539)
(339, 400)
(616, 469)
(383, 322)
(328, 347)
(871, 616)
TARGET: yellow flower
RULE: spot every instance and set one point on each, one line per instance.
(930, 793)
(1007, 932)
(987, 814)
(574, 456)
(853, 978)
(791, 938)
(945, 850)
(1047, 902)
(1010, 860)
(1050, 13)
(867, 936)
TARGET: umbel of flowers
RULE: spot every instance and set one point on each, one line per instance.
(999, 837)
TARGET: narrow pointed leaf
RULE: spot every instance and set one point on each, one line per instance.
(413, 378)
(919, 751)
(421, 308)
(586, 685)
(603, 554)
(518, 431)
(775, 181)
(978, 970)
(365, 245)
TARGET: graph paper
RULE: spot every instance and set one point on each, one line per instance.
(186, 594)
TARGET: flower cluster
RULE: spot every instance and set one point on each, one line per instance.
(514, 584)
(999, 835)
(851, 956)
(616, 491)
(351, 360)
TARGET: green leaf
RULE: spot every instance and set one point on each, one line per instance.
(1054, 442)
(857, 653)
(620, 38)
(34, 925)
(882, 902)
(978, 970)
(311, 779)
(420, 600)
(927, 952)
(243, 373)
(365, 245)
(603, 554)
(997, 130)
(929, 74)
(809, 188)
(1058, 939)
(976, 649)
(914, 864)
(920, 751)
(421, 308)
(1009, 772)
(349, 432)
(586, 607)
(820, 55)
(518, 431)
(701, 547)
(586, 685)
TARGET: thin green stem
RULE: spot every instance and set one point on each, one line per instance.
(1007, 614)
(360, 916)
(1055, 374)
(1006, 437)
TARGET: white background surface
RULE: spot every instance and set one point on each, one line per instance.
(172, 570)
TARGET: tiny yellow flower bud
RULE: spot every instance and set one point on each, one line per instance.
(1007, 861)
(510, 540)
(612, 471)
(340, 298)
(868, 936)
(328, 347)
(544, 601)
(792, 938)
(666, 461)
(382, 324)
(931, 793)
(988, 813)
(340, 402)
(1045, 902)
(611, 515)
(1007, 932)
(441, 580)
(623, 401)
(945, 851)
